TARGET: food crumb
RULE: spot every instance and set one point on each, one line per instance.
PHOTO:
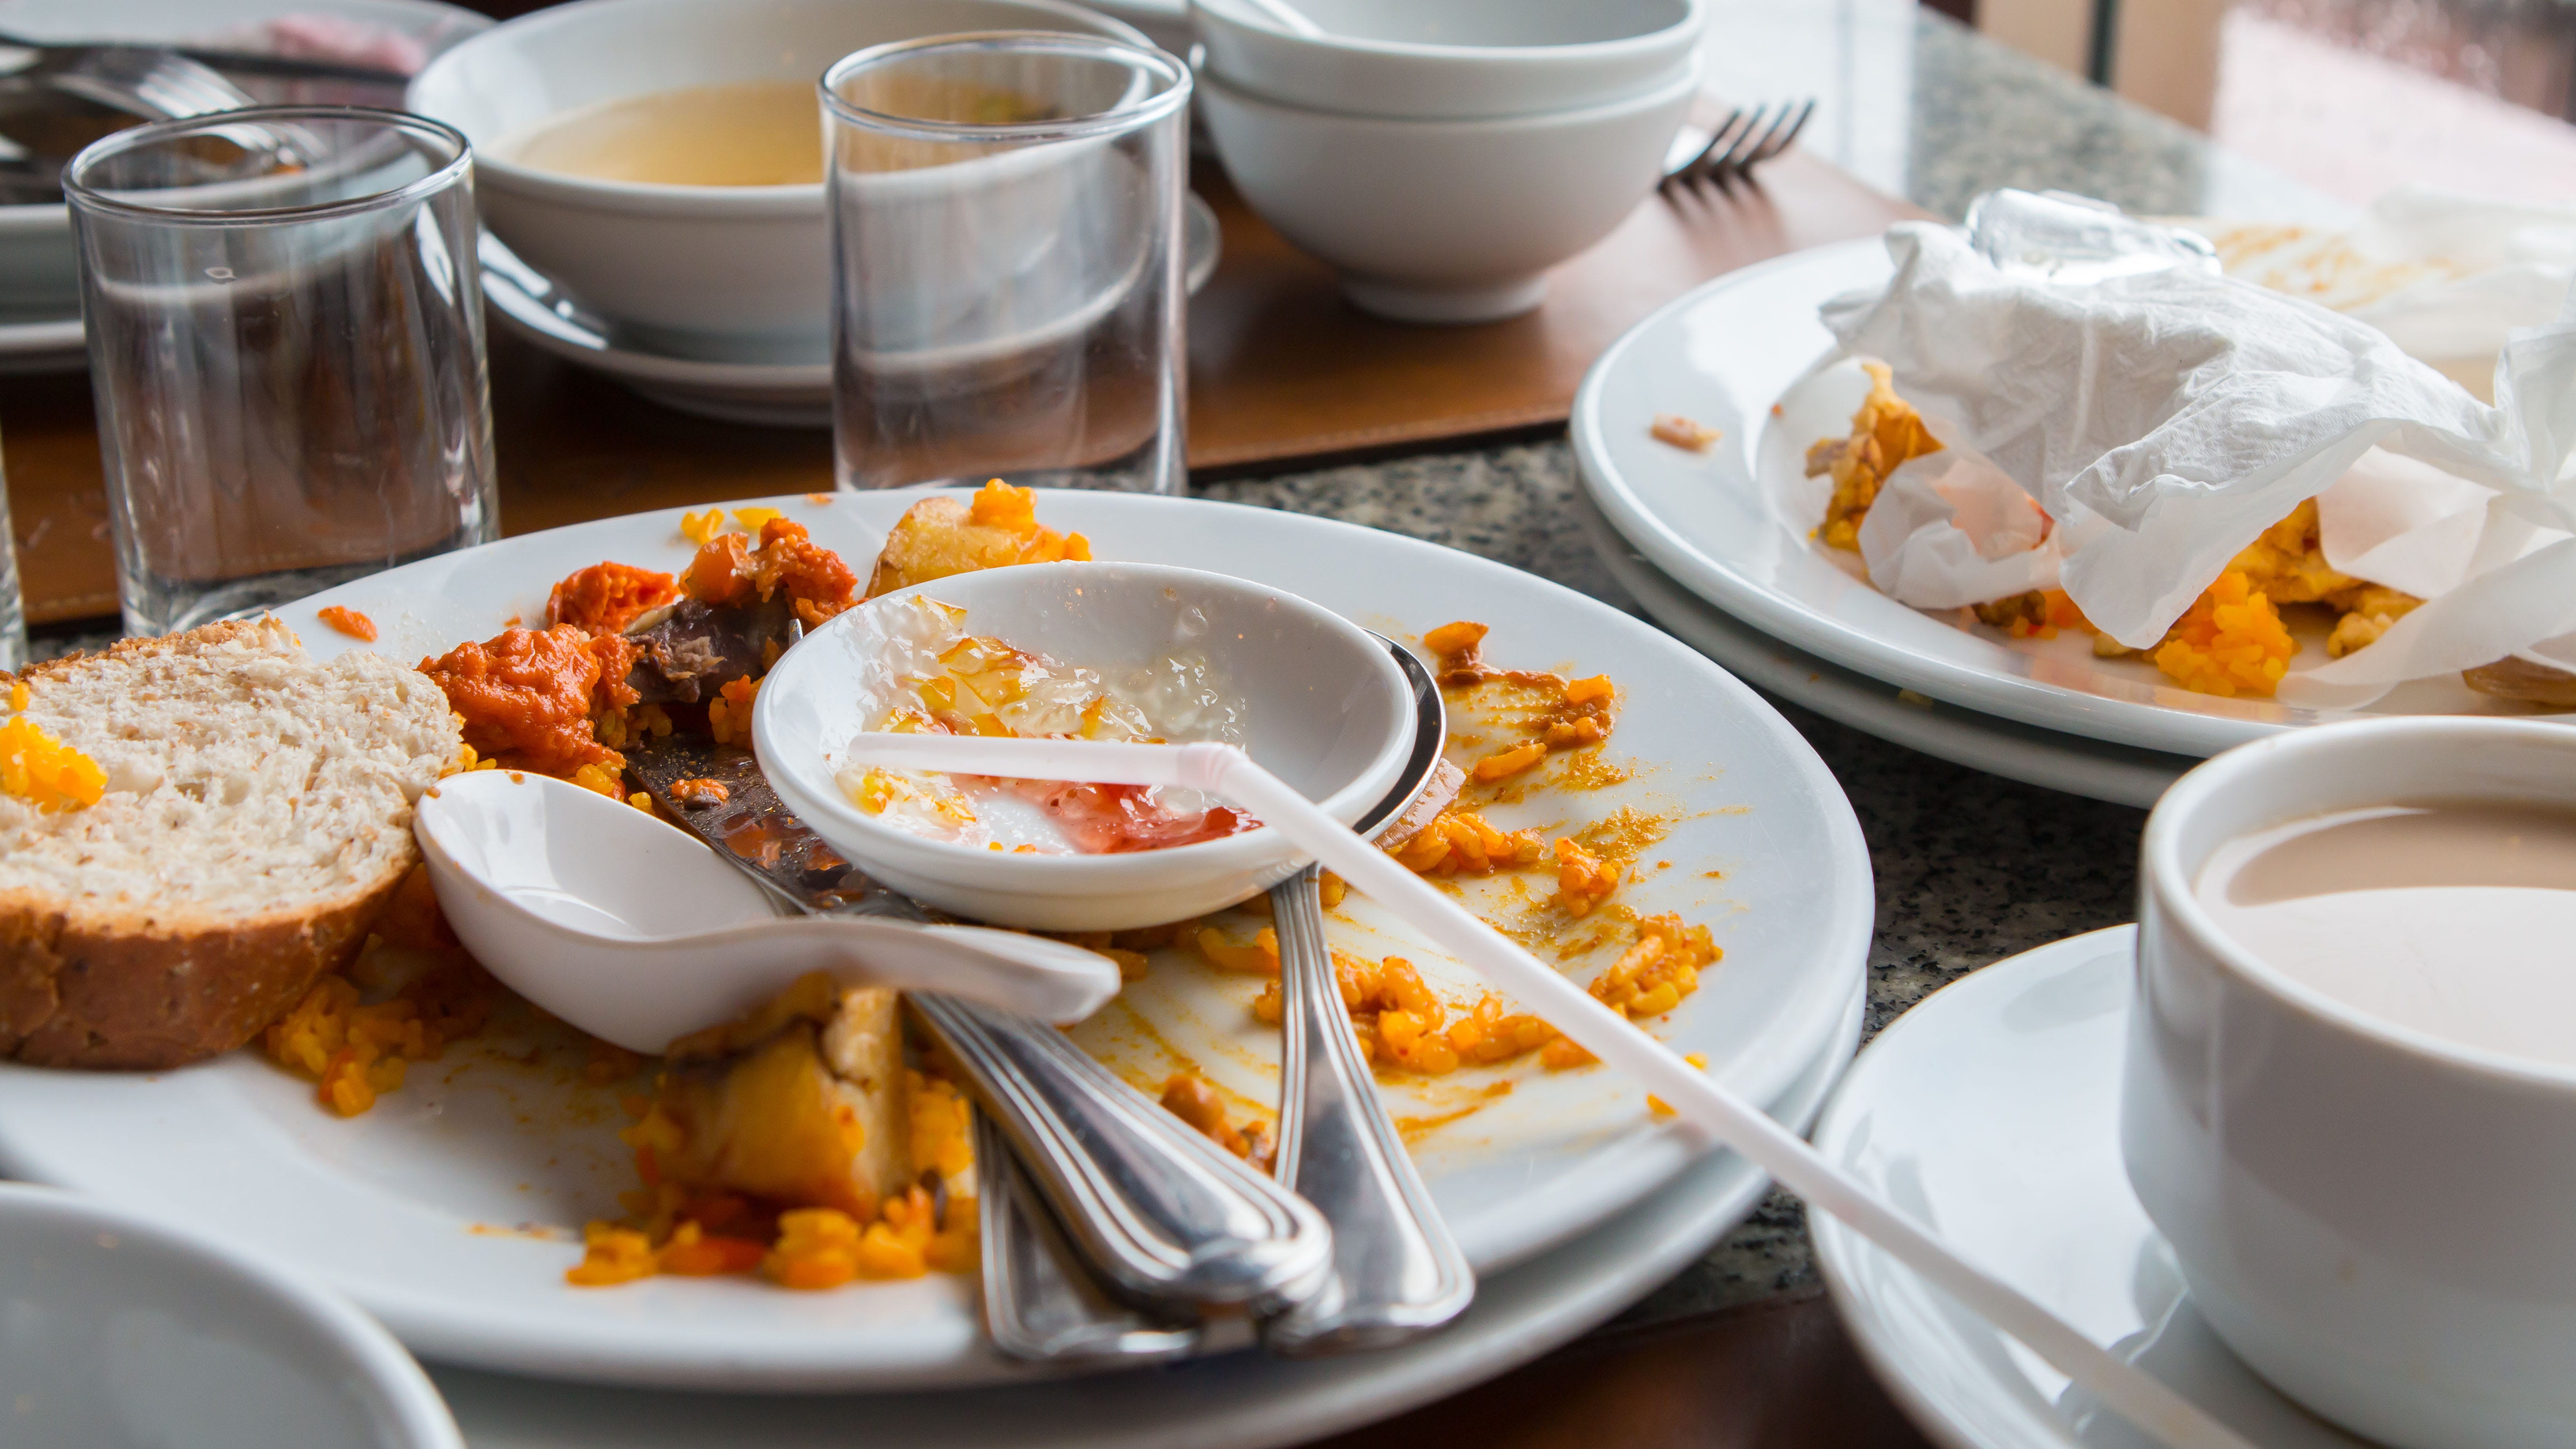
(699, 792)
(349, 621)
(1684, 433)
(818, 499)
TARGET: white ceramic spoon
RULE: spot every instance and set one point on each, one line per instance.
(633, 932)
(1226, 772)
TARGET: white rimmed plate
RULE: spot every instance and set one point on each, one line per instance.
(413, 1208)
(1732, 524)
(1241, 1400)
(794, 393)
(2094, 768)
(1991, 1113)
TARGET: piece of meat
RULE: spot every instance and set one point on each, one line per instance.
(529, 696)
(685, 653)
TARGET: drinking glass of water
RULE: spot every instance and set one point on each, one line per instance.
(286, 343)
(1007, 293)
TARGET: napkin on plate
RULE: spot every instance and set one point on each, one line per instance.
(2163, 415)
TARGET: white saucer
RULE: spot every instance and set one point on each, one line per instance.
(2097, 769)
(1991, 1112)
(789, 394)
(1241, 1400)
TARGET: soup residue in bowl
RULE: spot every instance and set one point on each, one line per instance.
(750, 133)
(932, 676)
(754, 133)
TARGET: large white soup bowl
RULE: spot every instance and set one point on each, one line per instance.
(1451, 59)
(1445, 221)
(717, 273)
(1326, 708)
(2380, 1222)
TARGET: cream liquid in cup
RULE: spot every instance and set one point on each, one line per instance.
(2455, 919)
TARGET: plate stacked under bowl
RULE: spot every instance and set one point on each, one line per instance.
(1718, 545)
(40, 326)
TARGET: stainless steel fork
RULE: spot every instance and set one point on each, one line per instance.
(1745, 139)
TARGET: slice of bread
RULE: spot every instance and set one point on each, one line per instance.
(257, 816)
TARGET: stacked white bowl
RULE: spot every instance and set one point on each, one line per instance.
(1441, 155)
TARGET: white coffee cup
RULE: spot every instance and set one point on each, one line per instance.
(2379, 1221)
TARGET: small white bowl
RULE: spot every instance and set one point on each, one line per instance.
(1451, 59)
(1445, 221)
(116, 1329)
(717, 273)
(1326, 708)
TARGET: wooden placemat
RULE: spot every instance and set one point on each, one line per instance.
(1281, 370)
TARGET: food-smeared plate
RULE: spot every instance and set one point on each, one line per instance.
(1733, 523)
(451, 1210)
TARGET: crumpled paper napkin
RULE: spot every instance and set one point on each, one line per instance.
(2163, 415)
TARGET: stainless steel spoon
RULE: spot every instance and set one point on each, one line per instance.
(1398, 1272)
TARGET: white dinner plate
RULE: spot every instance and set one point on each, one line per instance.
(410, 1208)
(1733, 524)
(2079, 766)
(1991, 1113)
(787, 394)
(1238, 1400)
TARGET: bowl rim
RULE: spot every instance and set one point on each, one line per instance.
(1068, 874)
(1694, 18)
(1683, 80)
(410, 1409)
(670, 198)
(2171, 885)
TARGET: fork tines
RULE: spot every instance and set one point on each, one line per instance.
(1744, 140)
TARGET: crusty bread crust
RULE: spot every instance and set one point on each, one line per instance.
(149, 999)
(133, 982)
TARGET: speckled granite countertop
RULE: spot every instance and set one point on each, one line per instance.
(1970, 868)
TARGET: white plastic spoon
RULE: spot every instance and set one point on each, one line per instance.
(1228, 773)
(631, 931)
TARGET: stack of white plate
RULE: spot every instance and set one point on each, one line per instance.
(40, 326)
(1718, 546)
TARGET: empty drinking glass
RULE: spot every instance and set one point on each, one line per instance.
(286, 343)
(1007, 262)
